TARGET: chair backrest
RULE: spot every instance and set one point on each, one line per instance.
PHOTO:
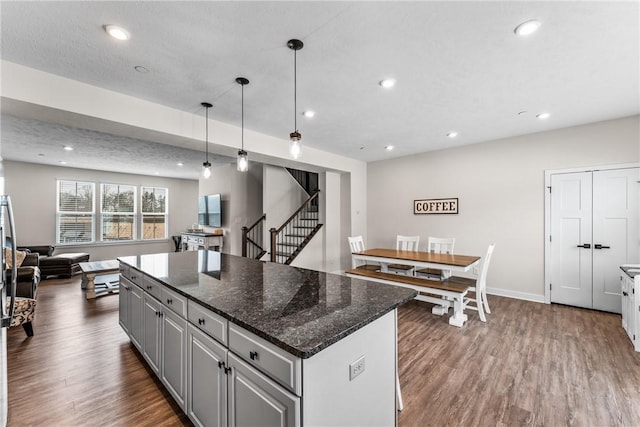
(407, 243)
(356, 243)
(441, 245)
(481, 283)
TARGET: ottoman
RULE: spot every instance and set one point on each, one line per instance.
(62, 264)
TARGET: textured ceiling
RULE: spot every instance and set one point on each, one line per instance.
(458, 66)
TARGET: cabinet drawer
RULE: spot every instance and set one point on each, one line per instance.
(208, 321)
(283, 367)
(132, 274)
(152, 287)
(124, 270)
(174, 301)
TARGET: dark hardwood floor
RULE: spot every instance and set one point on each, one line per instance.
(530, 364)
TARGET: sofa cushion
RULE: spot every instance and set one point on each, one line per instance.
(20, 255)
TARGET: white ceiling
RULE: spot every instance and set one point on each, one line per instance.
(458, 66)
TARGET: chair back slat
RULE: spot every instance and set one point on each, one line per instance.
(481, 283)
(407, 243)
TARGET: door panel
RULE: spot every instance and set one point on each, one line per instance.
(571, 226)
(615, 228)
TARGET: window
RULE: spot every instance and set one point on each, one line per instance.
(118, 212)
(154, 213)
(75, 212)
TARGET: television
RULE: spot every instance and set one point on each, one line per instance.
(209, 210)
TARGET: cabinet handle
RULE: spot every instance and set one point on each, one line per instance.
(227, 370)
(149, 287)
(586, 246)
(599, 246)
(200, 321)
(134, 277)
(169, 301)
(253, 355)
(220, 364)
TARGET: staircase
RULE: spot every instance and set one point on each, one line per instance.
(289, 240)
(252, 239)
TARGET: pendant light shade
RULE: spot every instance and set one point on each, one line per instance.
(295, 147)
(243, 157)
(206, 166)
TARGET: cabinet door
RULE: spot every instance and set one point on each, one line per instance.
(152, 319)
(136, 316)
(123, 305)
(206, 379)
(625, 301)
(174, 355)
(255, 400)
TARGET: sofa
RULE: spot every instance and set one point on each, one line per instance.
(28, 273)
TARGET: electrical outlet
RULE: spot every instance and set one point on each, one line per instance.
(356, 368)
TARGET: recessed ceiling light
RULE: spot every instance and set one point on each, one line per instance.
(62, 162)
(157, 173)
(141, 69)
(68, 148)
(180, 164)
(452, 134)
(117, 32)
(527, 28)
(389, 147)
(543, 116)
(388, 83)
(520, 113)
(308, 114)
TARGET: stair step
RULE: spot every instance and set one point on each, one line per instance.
(308, 227)
(283, 254)
(309, 219)
(291, 245)
(296, 235)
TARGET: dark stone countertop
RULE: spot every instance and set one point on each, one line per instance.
(301, 311)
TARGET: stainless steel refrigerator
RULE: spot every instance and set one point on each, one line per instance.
(7, 279)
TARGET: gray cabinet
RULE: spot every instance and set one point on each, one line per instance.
(206, 379)
(631, 309)
(173, 355)
(123, 304)
(255, 400)
(152, 325)
(136, 318)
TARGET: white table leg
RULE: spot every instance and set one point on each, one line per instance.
(458, 317)
(440, 310)
(91, 287)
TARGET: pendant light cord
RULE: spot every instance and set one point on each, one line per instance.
(242, 137)
(295, 91)
(206, 147)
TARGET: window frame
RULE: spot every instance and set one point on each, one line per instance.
(105, 214)
(60, 213)
(165, 213)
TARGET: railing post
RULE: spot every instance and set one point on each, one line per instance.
(274, 237)
(245, 230)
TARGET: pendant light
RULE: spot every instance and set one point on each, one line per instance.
(295, 149)
(206, 166)
(243, 158)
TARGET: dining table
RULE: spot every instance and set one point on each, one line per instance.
(418, 259)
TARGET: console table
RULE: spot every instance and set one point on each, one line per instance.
(192, 241)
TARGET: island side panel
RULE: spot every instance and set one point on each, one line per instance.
(333, 397)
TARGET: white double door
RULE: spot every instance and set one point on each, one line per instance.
(593, 230)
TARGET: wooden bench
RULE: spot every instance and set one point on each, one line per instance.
(454, 288)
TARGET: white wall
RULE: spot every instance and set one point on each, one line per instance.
(500, 186)
(32, 189)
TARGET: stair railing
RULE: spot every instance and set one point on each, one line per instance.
(296, 232)
(253, 239)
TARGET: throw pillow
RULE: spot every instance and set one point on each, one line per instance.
(20, 255)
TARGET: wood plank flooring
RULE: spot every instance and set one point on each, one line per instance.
(530, 364)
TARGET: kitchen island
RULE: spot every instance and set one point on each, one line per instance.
(238, 341)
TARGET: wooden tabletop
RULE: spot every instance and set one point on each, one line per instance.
(436, 258)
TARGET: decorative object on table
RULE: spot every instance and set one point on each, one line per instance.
(295, 149)
(206, 166)
(435, 206)
(243, 157)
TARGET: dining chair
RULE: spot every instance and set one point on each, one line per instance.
(480, 289)
(356, 243)
(439, 245)
(405, 243)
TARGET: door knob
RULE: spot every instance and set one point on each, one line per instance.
(599, 246)
(586, 246)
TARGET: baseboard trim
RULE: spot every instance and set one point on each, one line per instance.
(515, 294)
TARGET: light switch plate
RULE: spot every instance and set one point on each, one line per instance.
(356, 368)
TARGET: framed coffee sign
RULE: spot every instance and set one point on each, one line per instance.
(435, 206)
